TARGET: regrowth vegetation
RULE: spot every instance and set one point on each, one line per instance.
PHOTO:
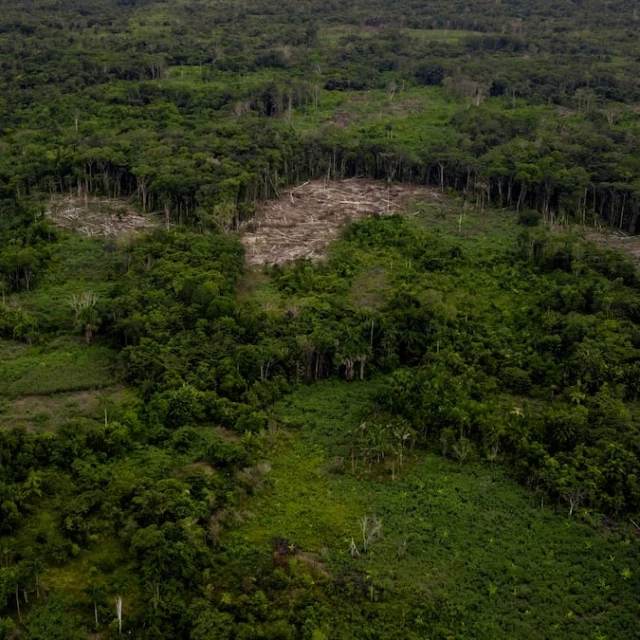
(510, 350)
(430, 433)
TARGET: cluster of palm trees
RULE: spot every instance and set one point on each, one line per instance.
(382, 442)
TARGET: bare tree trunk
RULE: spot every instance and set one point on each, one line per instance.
(521, 197)
(624, 200)
(349, 369)
(119, 613)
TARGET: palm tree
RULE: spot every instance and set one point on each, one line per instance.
(31, 486)
(86, 314)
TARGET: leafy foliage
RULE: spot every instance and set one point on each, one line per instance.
(337, 452)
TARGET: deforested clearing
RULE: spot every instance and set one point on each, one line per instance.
(98, 216)
(302, 222)
(616, 240)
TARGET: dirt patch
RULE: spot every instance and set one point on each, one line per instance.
(303, 222)
(106, 217)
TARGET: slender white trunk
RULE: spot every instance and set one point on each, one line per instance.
(119, 612)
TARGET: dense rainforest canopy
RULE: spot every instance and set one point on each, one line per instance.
(199, 108)
(432, 432)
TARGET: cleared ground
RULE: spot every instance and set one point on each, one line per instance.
(612, 239)
(301, 223)
(92, 216)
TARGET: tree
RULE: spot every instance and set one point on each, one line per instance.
(96, 591)
(87, 318)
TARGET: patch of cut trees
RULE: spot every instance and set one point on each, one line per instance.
(305, 219)
(95, 216)
(617, 240)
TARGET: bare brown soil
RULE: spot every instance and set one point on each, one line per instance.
(106, 217)
(302, 222)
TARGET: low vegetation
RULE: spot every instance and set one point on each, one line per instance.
(429, 433)
(309, 324)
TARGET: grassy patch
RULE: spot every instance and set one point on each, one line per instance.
(40, 413)
(419, 110)
(468, 536)
(369, 288)
(447, 36)
(81, 259)
(333, 36)
(78, 265)
(257, 287)
(64, 365)
(305, 505)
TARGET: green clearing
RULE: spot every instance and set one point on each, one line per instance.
(333, 36)
(63, 365)
(78, 264)
(465, 535)
(32, 375)
(448, 36)
(45, 412)
(424, 109)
